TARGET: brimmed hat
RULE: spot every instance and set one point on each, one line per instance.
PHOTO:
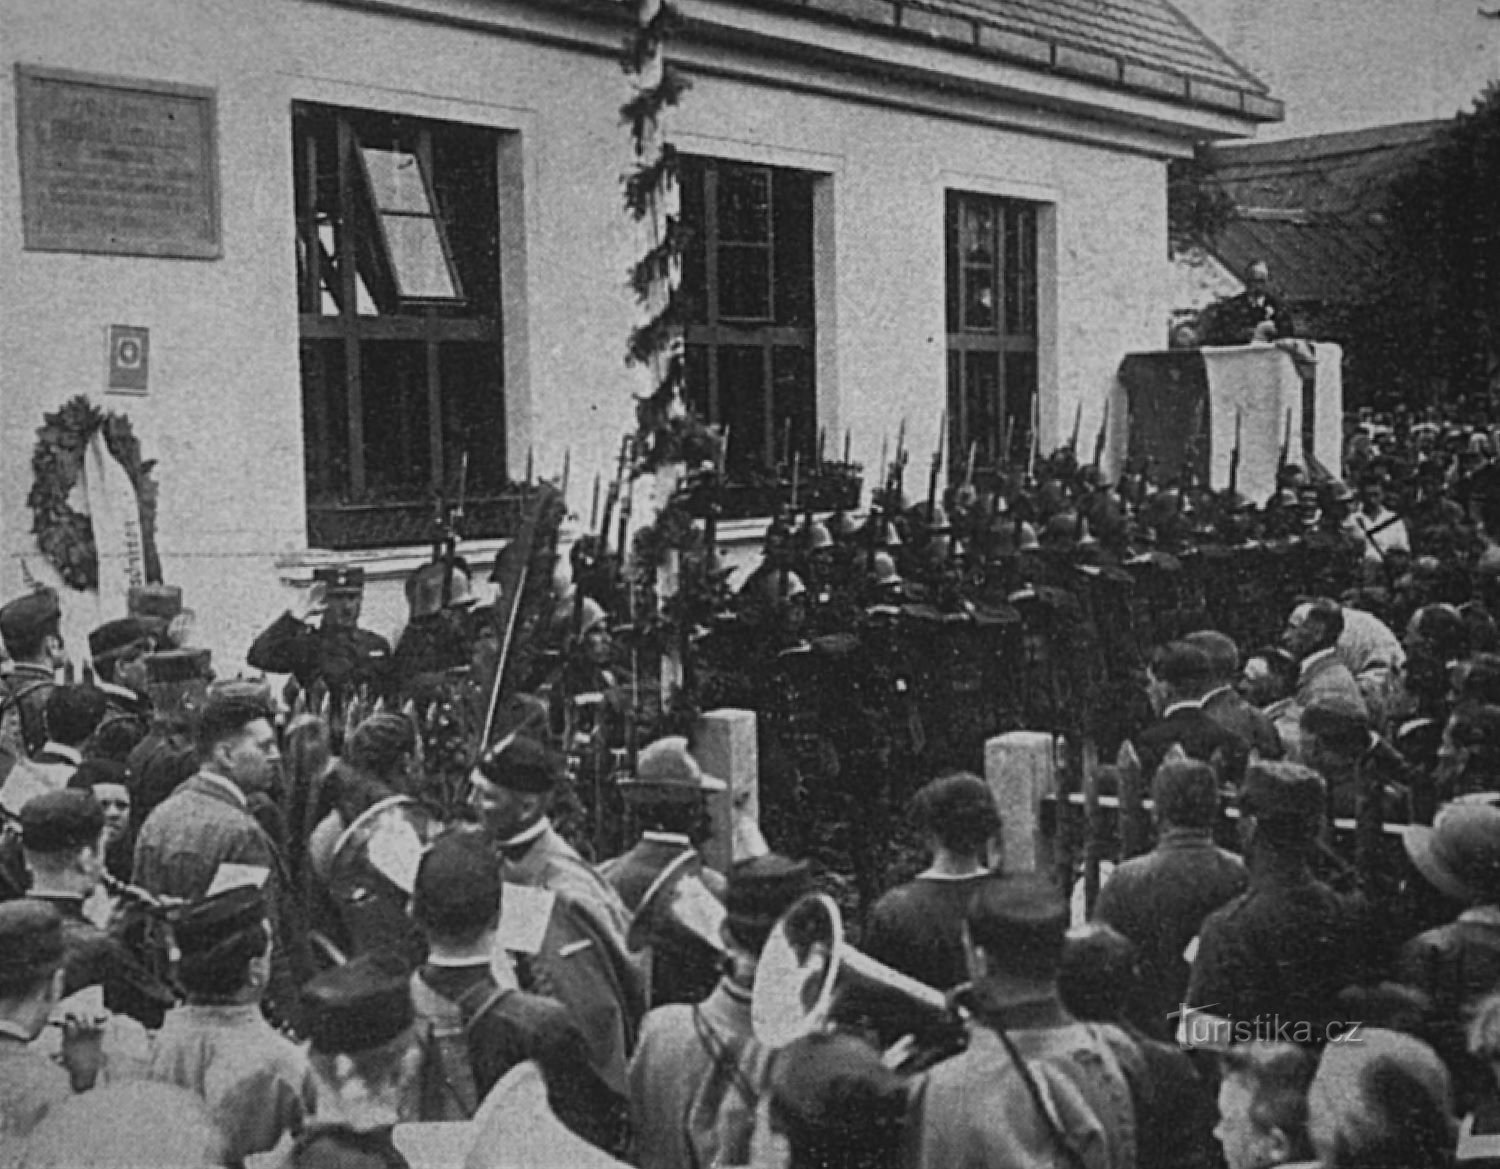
(666, 769)
(1460, 853)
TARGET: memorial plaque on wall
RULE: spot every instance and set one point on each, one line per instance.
(117, 165)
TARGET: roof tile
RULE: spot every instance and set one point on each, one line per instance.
(937, 24)
(1014, 44)
(871, 11)
(1089, 64)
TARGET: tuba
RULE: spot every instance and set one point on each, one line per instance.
(807, 971)
(678, 908)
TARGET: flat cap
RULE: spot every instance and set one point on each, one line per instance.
(61, 820)
(202, 925)
(519, 763)
(357, 1006)
(458, 883)
(1335, 716)
(759, 891)
(666, 768)
(26, 617)
(1283, 791)
(31, 940)
(114, 638)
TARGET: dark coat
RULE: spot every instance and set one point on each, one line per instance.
(92, 957)
(1160, 901)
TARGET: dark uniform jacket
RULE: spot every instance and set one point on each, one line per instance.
(23, 729)
(1233, 322)
(1159, 901)
(342, 659)
(92, 957)
(125, 725)
(336, 1146)
(1282, 950)
(917, 928)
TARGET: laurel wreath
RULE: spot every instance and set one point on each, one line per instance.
(65, 536)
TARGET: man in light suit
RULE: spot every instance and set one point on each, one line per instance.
(698, 1074)
(1312, 636)
(582, 959)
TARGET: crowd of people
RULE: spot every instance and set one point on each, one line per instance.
(1298, 960)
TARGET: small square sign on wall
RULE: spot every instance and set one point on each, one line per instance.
(129, 359)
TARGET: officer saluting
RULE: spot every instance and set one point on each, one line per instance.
(336, 651)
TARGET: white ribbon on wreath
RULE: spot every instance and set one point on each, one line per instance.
(110, 499)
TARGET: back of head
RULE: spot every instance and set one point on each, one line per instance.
(959, 810)
(1019, 922)
(1183, 667)
(379, 745)
(1383, 1101)
(837, 1104)
(1098, 972)
(1328, 614)
(73, 713)
(1277, 1076)
(1185, 793)
(27, 622)
(1340, 724)
(1480, 682)
(229, 708)
(130, 1122)
(458, 889)
(31, 945)
(1222, 653)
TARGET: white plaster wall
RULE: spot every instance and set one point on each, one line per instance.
(1351, 64)
(223, 415)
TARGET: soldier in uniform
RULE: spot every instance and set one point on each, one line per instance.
(118, 651)
(335, 652)
(30, 628)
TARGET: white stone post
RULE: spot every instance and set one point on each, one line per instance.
(1021, 769)
(726, 749)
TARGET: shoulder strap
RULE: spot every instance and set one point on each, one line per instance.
(1060, 1137)
(477, 1002)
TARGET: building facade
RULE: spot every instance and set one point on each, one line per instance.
(384, 248)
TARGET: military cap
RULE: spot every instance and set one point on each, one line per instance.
(667, 769)
(341, 578)
(28, 617)
(759, 891)
(114, 638)
(202, 925)
(1460, 853)
(1020, 921)
(31, 941)
(458, 884)
(61, 820)
(99, 771)
(357, 1006)
(1283, 792)
(179, 665)
(518, 762)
